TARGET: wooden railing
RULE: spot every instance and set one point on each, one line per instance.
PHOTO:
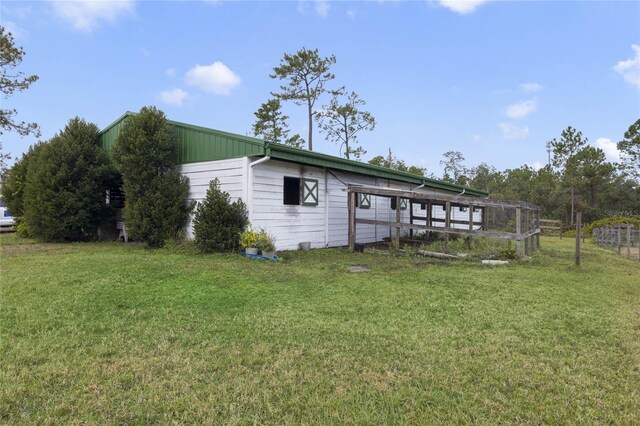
(526, 217)
(550, 224)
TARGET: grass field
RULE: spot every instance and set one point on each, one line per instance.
(114, 333)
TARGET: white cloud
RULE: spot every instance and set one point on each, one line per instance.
(531, 87)
(537, 165)
(462, 6)
(216, 78)
(630, 69)
(511, 131)
(173, 97)
(521, 109)
(86, 15)
(351, 13)
(171, 72)
(610, 149)
(322, 8)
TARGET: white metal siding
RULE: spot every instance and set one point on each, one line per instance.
(230, 173)
(323, 225)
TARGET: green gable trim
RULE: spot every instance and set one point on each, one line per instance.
(199, 144)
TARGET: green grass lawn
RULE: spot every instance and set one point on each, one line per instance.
(114, 333)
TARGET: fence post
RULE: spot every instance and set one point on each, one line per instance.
(612, 239)
(519, 248)
(538, 229)
(351, 201)
(398, 213)
(560, 229)
(578, 226)
(628, 241)
(619, 233)
(447, 224)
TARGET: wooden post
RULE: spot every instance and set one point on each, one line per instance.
(619, 233)
(578, 228)
(485, 219)
(398, 215)
(447, 224)
(628, 241)
(429, 216)
(351, 202)
(470, 224)
(538, 229)
(519, 248)
(411, 218)
(611, 238)
(560, 229)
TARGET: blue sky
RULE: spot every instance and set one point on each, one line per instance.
(494, 80)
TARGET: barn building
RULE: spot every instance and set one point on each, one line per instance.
(296, 195)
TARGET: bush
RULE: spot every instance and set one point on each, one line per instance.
(156, 193)
(14, 180)
(265, 241)
(218, 222)
(249, 238)
(64, 191)
(634, 220)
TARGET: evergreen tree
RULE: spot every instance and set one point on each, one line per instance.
(394, 163)
(10, 82)
(66, 182)
(343, 122)
(307, 74)
(156, 193)
(454, 170)
(271, 125)
(218, 222)
(630, 150)
(14, 180)
(564, 152)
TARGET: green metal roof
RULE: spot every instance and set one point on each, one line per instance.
(203, 144)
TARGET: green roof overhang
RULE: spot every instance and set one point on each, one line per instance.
(296, 155)
(199, 144)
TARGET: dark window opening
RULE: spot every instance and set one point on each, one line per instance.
(423, 206)
(291, 191)
(393, 203)
(115, 197)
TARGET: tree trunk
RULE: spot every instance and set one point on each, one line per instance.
(572, 204)
(310, 127)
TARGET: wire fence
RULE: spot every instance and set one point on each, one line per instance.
(623, 238)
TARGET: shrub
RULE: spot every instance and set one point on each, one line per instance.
(218, 222)
(634, 220)
(249, 238)
(14, 180)
(508, 253)
(156, 193)
(265, 241)
(64, 192)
